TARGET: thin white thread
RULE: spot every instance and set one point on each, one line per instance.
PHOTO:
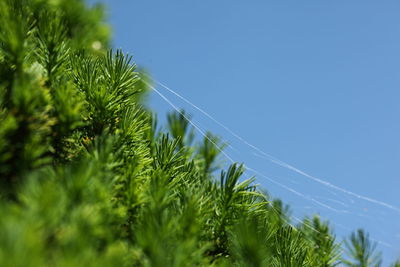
(232, 161)
(296, 192)
(255, 171)
(195, 126)
(192, 123)
(282, 163)
(333, 200)
(326, 183)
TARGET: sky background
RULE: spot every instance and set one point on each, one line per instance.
(313, 83)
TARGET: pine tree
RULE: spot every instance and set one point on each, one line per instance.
(87, 178)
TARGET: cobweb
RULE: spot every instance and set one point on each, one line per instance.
(307, 194)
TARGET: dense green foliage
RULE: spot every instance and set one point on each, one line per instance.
(87, 179)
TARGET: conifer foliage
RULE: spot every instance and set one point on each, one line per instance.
(88, 179)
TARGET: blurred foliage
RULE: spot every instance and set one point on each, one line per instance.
(88, 179)
(362, 250)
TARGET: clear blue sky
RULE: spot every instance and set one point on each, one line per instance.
(314, 83)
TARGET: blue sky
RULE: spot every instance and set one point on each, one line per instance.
(313, 83)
